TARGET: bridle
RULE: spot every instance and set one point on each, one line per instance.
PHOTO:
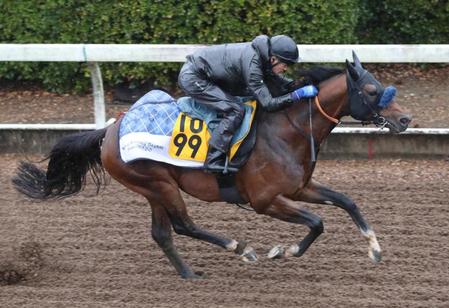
(356, 98)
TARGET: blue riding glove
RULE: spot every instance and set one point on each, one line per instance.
(304, 92)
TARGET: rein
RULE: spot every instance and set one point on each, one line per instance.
(378, 120)
(304, 134)
(310, 135)
(320, 109)
(318, 105)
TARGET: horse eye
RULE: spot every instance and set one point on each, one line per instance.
(370, 90)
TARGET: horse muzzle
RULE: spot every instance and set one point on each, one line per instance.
(398, 124)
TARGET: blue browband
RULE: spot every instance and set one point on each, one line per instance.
(387, 97)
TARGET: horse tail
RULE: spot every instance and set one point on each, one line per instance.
(70, 160)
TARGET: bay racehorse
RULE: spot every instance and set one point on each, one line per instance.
(278, 172)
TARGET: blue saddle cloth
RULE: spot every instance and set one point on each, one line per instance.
(156, 113)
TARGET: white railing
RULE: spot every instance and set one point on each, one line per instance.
(92, 54)
(87, 126)
(177, 53)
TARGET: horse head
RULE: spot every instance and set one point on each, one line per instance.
(370, 101)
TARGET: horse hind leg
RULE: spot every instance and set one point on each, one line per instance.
(183, 225)
(157, 185)
(170, 210)
(161, 233)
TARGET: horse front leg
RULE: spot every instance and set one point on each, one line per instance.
(317, 193)
(285, 209)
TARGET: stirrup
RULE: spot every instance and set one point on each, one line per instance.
(226, 169)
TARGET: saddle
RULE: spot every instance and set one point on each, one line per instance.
(157, 127)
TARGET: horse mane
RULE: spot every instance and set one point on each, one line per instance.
(318, 74)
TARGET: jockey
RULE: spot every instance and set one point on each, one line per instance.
(217, 75)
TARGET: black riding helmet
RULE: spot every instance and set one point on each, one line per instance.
(284, 47)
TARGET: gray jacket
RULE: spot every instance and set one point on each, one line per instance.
(244, 69)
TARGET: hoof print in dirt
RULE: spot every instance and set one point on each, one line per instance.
(10, 276)
(24, 262)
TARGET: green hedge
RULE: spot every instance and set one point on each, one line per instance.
(168, 21)
(404, 22)
(200, 21)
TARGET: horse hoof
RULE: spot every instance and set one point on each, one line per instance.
(293, 251)
(276, 252)
(249, 255)
(195, 275)
(375, 255)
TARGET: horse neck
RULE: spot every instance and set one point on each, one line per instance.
(333, 99)
(293, 121)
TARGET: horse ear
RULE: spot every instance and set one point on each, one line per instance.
(356, 59)
(352, 71)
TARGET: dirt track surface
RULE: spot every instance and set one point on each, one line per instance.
(96, 251)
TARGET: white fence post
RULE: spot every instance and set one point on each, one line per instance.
(98, 92)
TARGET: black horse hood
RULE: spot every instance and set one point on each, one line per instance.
(261, 45)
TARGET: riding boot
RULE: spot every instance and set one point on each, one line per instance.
(220, 141)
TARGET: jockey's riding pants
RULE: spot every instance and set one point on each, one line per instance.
(227, 106)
